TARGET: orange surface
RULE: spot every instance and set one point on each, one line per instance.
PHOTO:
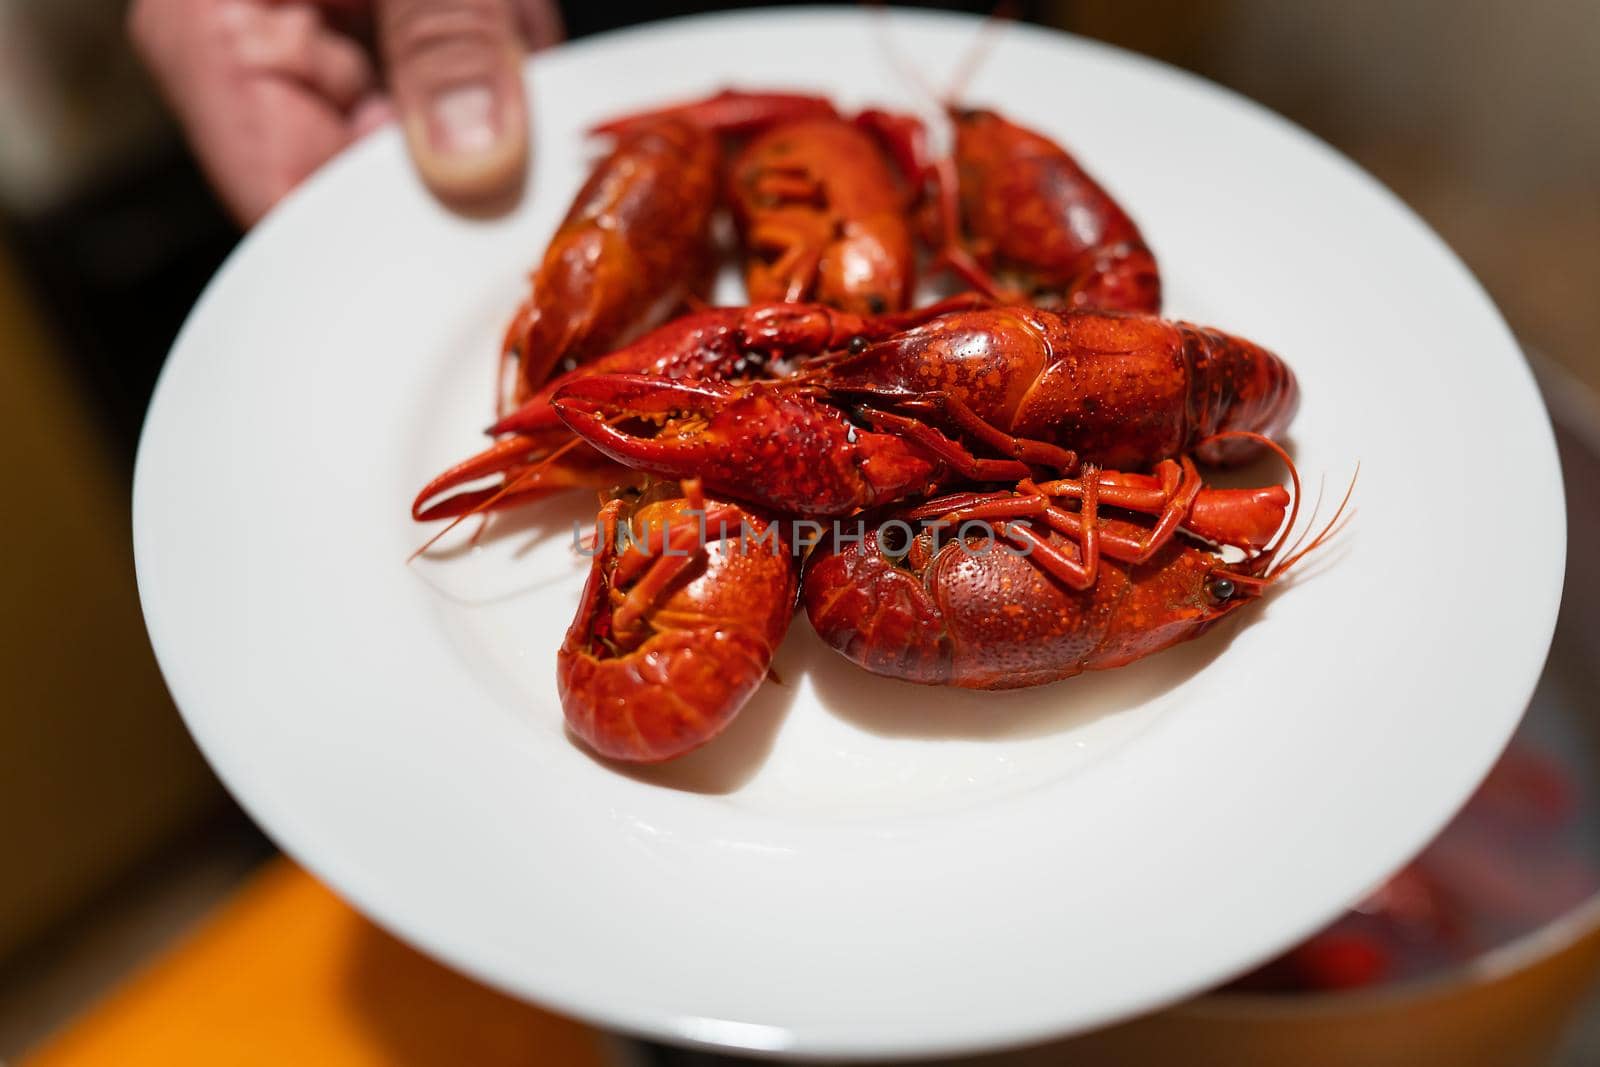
(286, 973)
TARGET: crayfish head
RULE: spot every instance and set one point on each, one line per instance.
(1175, 597)
(1226, 589)
(1233, 585)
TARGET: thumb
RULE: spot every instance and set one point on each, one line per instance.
(455, 72)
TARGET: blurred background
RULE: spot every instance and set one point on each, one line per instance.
(114, 836)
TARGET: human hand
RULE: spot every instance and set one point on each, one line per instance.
(269, 90)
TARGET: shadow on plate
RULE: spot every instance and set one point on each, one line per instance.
(1265, 469)
(562, 521)
(888, 707)
(725, 764)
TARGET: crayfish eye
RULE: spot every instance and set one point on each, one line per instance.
(857, 345)
(1221, 589)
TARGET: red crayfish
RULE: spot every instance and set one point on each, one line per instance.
(1052, 408)
(894, 418)
(1029, 225)
(823, 203)
(635, 244)
(535, 454)
(1041, 592)
(686, 601)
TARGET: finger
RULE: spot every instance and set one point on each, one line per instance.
(281, 134)
(291, 40)
(374, 110)
(340, 69)
(540, 23)
(301, 132)
(255, 132)
(455, 71)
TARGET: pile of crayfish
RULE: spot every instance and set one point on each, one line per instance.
(999, 489)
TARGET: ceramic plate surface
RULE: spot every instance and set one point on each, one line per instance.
(859, 867)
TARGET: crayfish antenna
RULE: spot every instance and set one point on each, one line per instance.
(483, 506)
(966, 67)
(1265, 567)
(936, 176)
(1340, 519)
(908, 72)
(1311, 520)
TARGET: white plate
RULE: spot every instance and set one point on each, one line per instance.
(859, 867)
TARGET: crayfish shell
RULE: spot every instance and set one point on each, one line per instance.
(706, 640)
(978, 615)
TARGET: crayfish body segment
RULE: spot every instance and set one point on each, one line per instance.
(823, 203)
(1126, 391)
(635, 244)
(824, 217)
(979, 614)
(1036, 228)
(674, 633)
